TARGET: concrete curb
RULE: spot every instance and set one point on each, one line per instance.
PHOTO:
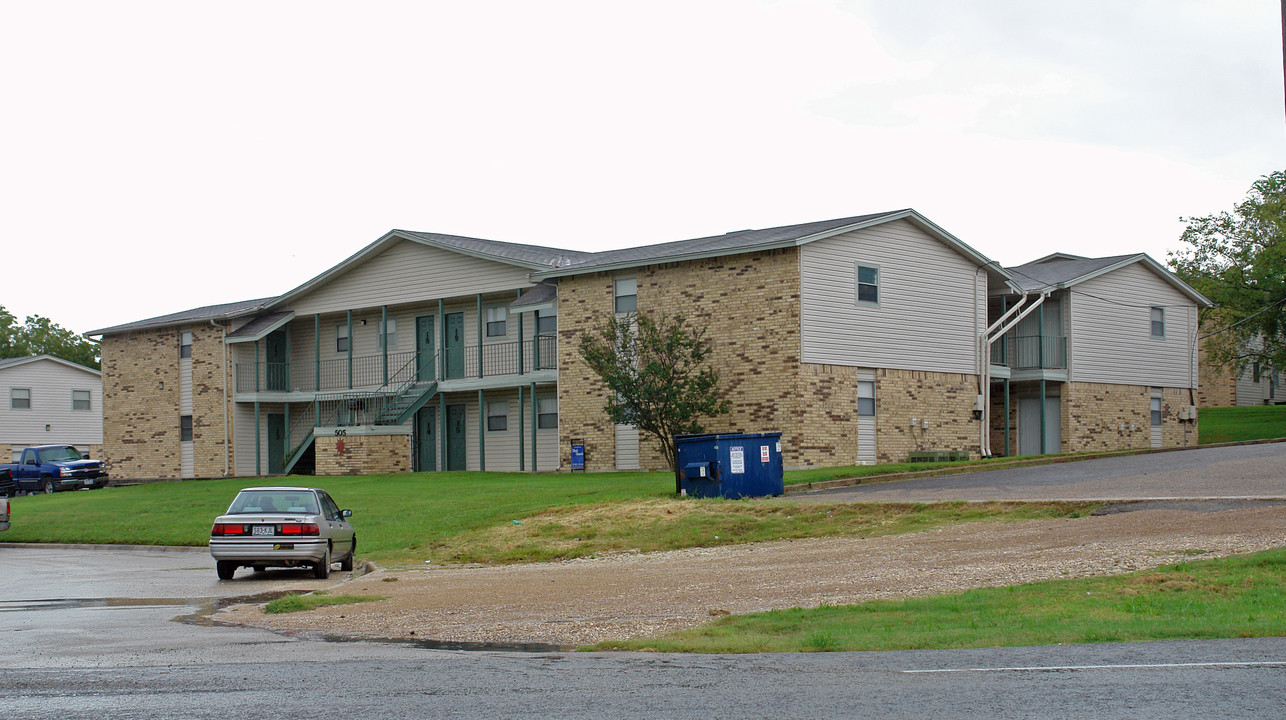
(87, 546)
(1006, 465)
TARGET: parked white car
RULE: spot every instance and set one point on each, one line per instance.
(282, 527)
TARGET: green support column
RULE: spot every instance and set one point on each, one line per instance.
(442, 346)
(384, 334)
(442, 429)
(350, 349)
(1004, 351)
(258, 443)
(482, 432)
(479, 335)
(317, 352)
(1040, 363)
(257, 388)
(285, 440)
(520, 352)
(522, 442)
(288, 357)
(1007, 417)
(533, 427)
(1042, 417)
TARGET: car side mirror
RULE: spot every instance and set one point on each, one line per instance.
(346, 513)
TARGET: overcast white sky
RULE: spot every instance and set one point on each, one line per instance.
(159, 156)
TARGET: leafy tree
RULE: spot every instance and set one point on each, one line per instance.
(655, 368)
(42, 336)
(1238, 260)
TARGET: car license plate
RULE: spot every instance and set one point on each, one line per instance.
(89, 481)
(263, 530)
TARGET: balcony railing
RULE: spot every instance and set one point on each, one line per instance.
(491, 360)
(1030, 352)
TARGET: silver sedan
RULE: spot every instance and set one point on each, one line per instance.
(282, 527)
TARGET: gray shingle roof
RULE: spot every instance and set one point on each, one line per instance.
(738, 241)
(527, 254)
(10, 362)
(1042, 274)
(201, 314)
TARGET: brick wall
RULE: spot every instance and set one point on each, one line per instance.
(1093, 414)
(211, 455)
(1217, 386)
(945, 399)
(141, 403)
(363, 454)
(750, 305)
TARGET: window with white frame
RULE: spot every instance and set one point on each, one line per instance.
(185, 345)
(1158, 322)
(185, 428)
(20, 398)
(546, 322)
(498, 415)
(1156, 411)
(627, 295)
(387, 334)
(341, 338)
(547, 413)
(80, 400)
(865, 397)
(868, 284)
(497, 321)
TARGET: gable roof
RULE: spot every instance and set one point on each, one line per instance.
(753, 240)
(1060, 271)
(7, 363)
(185, 317)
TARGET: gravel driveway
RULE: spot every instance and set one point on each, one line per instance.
(584, 601)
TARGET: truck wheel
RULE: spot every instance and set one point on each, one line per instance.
(49, 485)
(226, 569)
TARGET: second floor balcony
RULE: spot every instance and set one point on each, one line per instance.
(372, 371)
(1030, 352)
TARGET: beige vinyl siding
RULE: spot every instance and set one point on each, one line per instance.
(1110, 331)
(187, 455)
(866, 436)
(503, 446)
(929, 311)
(408, 272)
(627, 447)
(244, 436)
(1250, 392)
(51, 383)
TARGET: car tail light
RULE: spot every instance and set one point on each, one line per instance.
(228, 529)
(299, 529)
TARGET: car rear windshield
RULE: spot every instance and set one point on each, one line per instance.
(273, 501)
(60, 454)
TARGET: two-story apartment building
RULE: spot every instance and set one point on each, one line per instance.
(49, 400)
(861, 339)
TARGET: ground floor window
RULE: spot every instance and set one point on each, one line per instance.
(498, 415)
(185, 428)
(547, 413)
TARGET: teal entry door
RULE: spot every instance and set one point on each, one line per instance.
(456, 438)
(425, 357)
(454, 345)
(276, 443)
(426, 447)
(276, 363)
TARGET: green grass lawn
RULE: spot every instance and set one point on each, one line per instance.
(1231, 424)
(407, 519)
(1233, 597)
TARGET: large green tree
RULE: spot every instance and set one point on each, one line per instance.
(655, 368)
(1238, 260)
(42, 336)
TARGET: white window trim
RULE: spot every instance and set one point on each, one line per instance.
(860, 383)
(12, 390)
(541, 411)
(503, 312)
(617, 294)
(89, 396)
(857, 283)
(382, 330)
(191, 428)
(491, 406)
(341, 333)
(1151, 330)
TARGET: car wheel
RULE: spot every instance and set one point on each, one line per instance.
(347, 563)
(321, 570)
(49, 485)
(226, 569)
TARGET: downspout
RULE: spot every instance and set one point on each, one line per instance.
(983, 380)
(994, 332)
(227, 467)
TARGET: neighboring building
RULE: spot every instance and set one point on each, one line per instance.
(48, 401)
(860, 339)
(1223, 386)
(1106, 360)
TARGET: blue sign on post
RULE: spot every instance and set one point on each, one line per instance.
(578, 458)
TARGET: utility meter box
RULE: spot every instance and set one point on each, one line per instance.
(731, 465)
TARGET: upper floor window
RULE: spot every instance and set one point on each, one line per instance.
(546, 322)
(498, 415)
(547, 413)
(185, 345)
(1156, 411)
(627, 295)
(20, 398)
(1158, 322)
(497, 321)
(389, 334)
(341, 338)
(80, 400)
(185, 428)
(868, 284)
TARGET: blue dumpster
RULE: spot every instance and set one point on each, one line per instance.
(730, 465)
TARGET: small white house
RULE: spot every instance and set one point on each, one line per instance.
(48, 400)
